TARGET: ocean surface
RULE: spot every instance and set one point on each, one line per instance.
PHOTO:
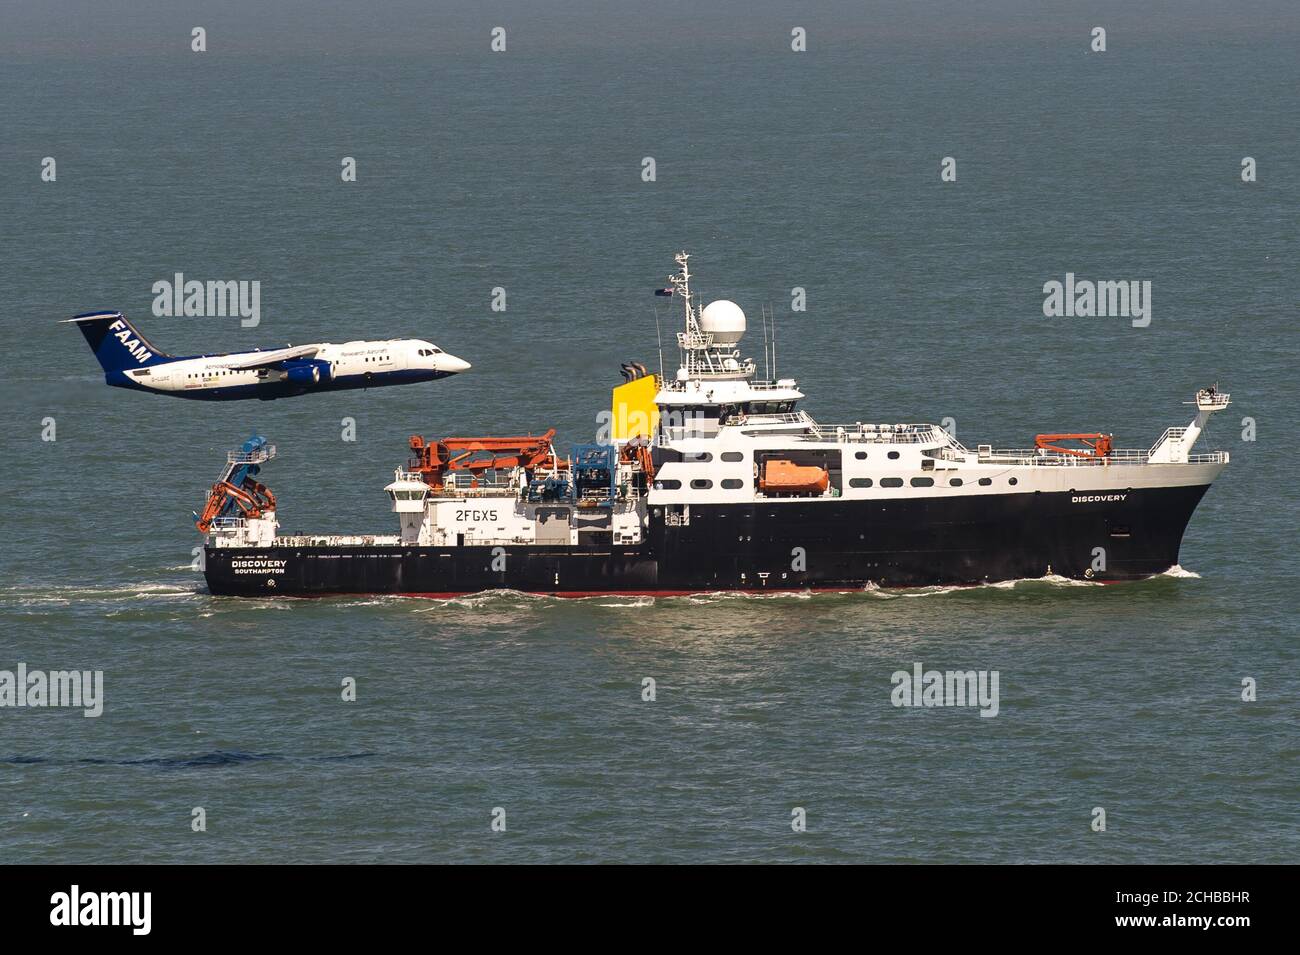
(523, 170)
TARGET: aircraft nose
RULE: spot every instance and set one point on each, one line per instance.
(452, 365)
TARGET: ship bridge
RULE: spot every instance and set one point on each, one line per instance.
(716, 386)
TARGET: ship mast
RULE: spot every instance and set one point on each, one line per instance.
(681, 282)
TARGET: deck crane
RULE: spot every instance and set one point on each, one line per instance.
(237, 493)
(435, 459)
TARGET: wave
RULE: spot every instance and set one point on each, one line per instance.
(67, 593)
(219, 757)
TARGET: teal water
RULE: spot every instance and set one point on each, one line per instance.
(522, 170)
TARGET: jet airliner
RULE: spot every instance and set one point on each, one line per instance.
(131, 361)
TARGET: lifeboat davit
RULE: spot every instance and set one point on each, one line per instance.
(786, 477)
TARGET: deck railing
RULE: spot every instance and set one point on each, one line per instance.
(1118, 457)
(265, 453)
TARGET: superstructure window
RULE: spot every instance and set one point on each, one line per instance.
(893, 455)
(732, 484)
(668, 484)
(891, 482)
(955, 482)
(985, 482)
(698, 457)
(860, 482)
(732, 456)
(701, 484)
(860, 455)
(922, 482)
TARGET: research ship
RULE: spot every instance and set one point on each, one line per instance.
(717, 480)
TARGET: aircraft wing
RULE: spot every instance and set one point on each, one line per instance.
(269, 359)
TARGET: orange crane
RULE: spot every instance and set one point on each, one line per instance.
(251, 497)
(1098, 444)
(434, 459)
(637, 451)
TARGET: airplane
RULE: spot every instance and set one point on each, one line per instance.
(131, 361)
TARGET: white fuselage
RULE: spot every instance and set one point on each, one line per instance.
(350, 364)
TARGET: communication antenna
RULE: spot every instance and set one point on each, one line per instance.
(660, 339)
(767, 365)
(774, 344)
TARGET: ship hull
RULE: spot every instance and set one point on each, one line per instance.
(767, 546)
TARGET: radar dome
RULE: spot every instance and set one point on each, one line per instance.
(725, 320)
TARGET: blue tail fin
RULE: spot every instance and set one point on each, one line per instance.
(116, 343)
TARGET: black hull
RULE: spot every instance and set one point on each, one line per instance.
(814, 545)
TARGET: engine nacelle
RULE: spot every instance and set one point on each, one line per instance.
(306, 371)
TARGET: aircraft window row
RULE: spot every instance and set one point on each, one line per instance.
(209, 374)
(378, 358)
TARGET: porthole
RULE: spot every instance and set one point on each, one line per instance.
(891, 482)
(985, 482)
(922, 482)
(893, 455)
(860, 482)
(1013, 481)
(860, 455)
(732, 484)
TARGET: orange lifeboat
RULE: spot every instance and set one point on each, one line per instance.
(786, 477)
